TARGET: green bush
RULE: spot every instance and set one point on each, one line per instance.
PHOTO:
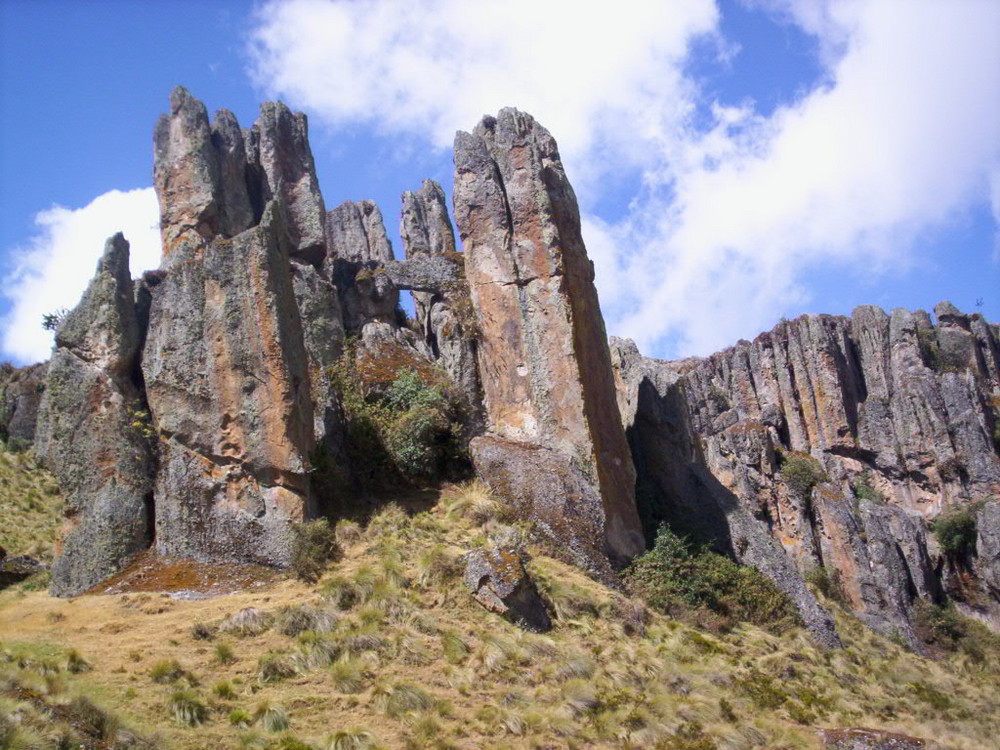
(943, 626)
(829, 584)
(864, 490)
(314, 548)
(955, 530)
(403, 417)
(674, 576)
(801, 473)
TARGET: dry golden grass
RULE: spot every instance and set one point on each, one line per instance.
(30, 506)
(408, 660)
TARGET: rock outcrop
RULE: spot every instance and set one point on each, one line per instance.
(21, 392)
(543, 356)
(894, 418)
(498, 580)
(226, 371)
(441, 301)
(93, 431)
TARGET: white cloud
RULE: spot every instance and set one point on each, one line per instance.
(902, 133)
(52, 270)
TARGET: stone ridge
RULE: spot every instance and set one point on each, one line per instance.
(901, 416)
(536, 306)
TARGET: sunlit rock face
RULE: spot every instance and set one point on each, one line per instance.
(900, 417)
(555, 443)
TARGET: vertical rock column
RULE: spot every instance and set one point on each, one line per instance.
(225, 365)
(92, 431)
(555, 443)
(444, 315)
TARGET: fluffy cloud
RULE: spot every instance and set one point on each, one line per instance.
(52, 270)
(902, 133)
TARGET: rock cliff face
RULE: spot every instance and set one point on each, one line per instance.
(555, 443)
(93, 430)
(890, 419)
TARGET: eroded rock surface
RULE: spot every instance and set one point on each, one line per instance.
(543, 355)
(92, 430)
(441, 300)
(498, 579)
(897, 415)
(21, 392)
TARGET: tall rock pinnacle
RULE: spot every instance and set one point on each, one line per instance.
(92, 430)
(555, 440)
(226, 370)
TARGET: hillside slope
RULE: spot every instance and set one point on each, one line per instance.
(389, 650)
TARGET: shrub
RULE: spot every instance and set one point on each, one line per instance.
(864, 490)
(315, 546)
(275, 667)
(829, 584)
(403, 419)
(955, 530)
(674, 576)
(801, 473)
(201, 631)
(187, 708)
(944, 627)
(224, 690)
(761, 690)
(240, 718)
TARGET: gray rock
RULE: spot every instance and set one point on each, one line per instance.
(17, 568)
(498, 580)
(93, 432)
(227, 381)
(542, 352)
(870, 739)
(21, 392)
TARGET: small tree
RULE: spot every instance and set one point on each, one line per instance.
(51, 321)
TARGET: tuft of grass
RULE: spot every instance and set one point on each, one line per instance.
(348, 674)
(187, 708)
(402, 698)
(271, 716)
(166, 671)
(292, 621)
(246, 623)
(224, 654)
(273, 667)
(351, 739)
(474, 502)
(224, 690)
(455, 649)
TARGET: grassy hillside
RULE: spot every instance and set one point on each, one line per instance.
(388, 650)
(30, 506)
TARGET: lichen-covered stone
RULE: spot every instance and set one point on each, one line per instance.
(92, 430)
(543, 355)
(436, 273)
(898, 414)
(870, 739)
(227, 380)
(21, 392)
(498, 580)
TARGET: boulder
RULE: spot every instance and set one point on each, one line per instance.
(870, 739)
(542, 351)
(498, 580)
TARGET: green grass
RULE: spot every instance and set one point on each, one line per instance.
(30, 506)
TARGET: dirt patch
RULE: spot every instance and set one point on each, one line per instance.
(184, 578)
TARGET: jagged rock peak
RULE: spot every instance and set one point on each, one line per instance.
(356, 233)
(216, 179)
(543, 354)
(424, 225)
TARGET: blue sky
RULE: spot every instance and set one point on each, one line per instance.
(736, 162)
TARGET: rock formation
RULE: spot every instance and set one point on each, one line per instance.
(498, 580)
(898, 417)
(225, 364)
(555, 444)
(21, 392)
(436, 273)
(92, 431)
